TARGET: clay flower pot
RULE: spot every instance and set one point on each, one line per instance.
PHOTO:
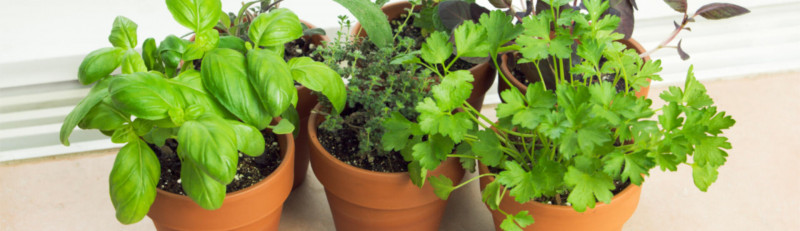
(603, 217)
(504, 59)
(483, 73)
(306, 100)
(257, 207)
(365, 200)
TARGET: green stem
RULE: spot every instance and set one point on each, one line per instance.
(473, 179)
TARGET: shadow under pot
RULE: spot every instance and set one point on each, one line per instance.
(257, 207)
(603, 217)
(517, 73)
(361, 199)
(484, 73)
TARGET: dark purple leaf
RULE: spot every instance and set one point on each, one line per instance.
(682, 53)
(452, 13)
(721, 11)
(676, 24)
(624, 10)
(501, 3)
(687, 28)
(677, 5)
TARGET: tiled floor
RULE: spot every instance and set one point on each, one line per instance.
(757, 189)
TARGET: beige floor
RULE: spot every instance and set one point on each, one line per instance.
(758, 188)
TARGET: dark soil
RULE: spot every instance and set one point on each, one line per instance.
(415, 33)
(249, 171)
(343, 144)
(302, 47)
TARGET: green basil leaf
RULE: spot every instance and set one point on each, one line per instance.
(104, 116)
(145, 95)
(204, 190)
(132, 62)
(132, 182)
(123, 33)
(224, 76)
(378, 28)
(232, 42)
(320, 78)
(210, 143)
(197, 15)
(171, 50)
(95, 96)
(272, 81)
(190, 85)
(123, 135)
(99, 64)
(277, 27)
(150, 55)
(204, 41)
(248, 139)
(283, 127)
(224, 19)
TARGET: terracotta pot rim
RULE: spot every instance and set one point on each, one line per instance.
(628, 191)
(312, 132)
(286, 152)
(510, 76)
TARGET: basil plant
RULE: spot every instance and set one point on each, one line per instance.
(213, 113)
(573, 140)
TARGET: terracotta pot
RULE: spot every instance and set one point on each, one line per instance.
(502, 86)
(365, 200)
(483, 73)
(306, 100)
(257, 207)
(603, 217)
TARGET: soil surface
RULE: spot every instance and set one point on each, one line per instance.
(302, 47)
(343, 144)
(249, 171)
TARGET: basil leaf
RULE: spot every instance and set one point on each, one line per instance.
(123, 33)
(320, 78)
(145, 95)
(150, 55)
(132, 62)
(248, 139)
(277, 27)
(204, 41)
(210, 143)
(203, 189)
(224, 76)
(95, 96)
(99, 63)
(190, 85)
(283, 127)
(104, 116)
(232, 42)
(197, 15)
(132, 182)
(272, 81)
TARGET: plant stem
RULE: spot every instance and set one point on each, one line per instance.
(670, 38)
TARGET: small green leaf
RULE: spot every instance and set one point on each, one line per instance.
(704, 176)
(283, 127)
(432, 152)
(104, 116)
(204, 41)
(491, 195)
(277, 27)
(442, 186)
(132, 182)
(248, 139)
(587, 187)
(635, 165)
(320, 78)
(132, 62)
(378, 28)
(200, 187)
(417, 173)
(471, 40)
(436, 48)
(398, 131)
(145, 95)
(517, 221)
(150, 55)
(519, 181)
(488, 148)
(272, 81)
(197, 15)
(99, 63)
(454, 90)
(123, 33)
(225, 77)
(123, 135)
(210, 144)
(499, 29)
(695, 92)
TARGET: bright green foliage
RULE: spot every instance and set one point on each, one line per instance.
(442, 186)
(433, 151)
(587, 187)
(471, 40)
(132, 182)
(378, 29)
(487, 148)
(213, 114)
(436, 48)
(498, 30)
(515, 222)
